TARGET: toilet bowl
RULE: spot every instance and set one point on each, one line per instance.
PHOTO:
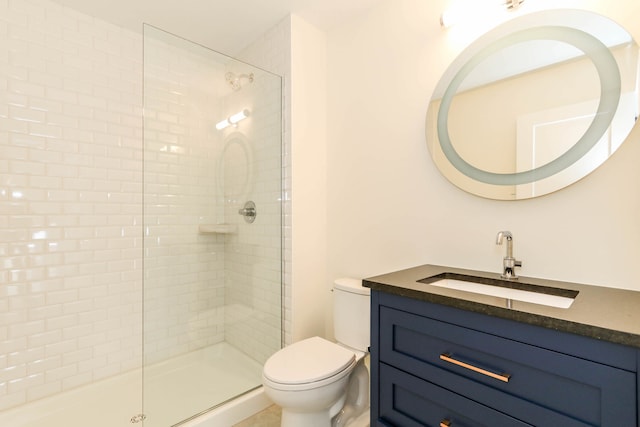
(318, 383)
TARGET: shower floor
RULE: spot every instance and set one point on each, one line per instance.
(182, 387)
(175, 390)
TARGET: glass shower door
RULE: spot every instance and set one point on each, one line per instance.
(212, 227)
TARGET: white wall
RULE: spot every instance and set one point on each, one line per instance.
(389, 208)
(310, 295)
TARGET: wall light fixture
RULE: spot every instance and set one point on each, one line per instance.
(233, 119)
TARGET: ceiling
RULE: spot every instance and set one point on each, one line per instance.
(226, 26)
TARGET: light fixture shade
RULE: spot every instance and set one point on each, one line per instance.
(448, 18)
(239, 116)
(223, 124)
(233, 119)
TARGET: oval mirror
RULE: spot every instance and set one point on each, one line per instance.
(535, 104)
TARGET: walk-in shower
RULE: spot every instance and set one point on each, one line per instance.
(212, 221)
(133, 292)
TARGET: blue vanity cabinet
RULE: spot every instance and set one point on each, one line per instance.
(437, 365)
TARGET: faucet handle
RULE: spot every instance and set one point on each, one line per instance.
(509, 268)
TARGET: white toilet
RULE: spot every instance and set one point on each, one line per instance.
(318, 383)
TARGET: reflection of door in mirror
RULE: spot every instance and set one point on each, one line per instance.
(544, 135)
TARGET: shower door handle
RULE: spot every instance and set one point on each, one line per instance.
(248, 211)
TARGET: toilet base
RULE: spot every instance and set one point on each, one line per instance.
(357, 397)
(289, 419)
(320, 418)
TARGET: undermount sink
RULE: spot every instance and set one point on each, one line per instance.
(510, 290)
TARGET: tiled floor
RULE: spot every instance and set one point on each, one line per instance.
(270, 417)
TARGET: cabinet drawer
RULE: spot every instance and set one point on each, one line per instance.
(411, 402)
(530, 383)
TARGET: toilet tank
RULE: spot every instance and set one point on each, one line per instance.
(351, 313)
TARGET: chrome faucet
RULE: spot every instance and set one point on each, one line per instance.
(509, 263)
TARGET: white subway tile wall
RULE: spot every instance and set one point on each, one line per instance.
(71, 194)
(184, 270)
(272, 52)
(203, 289)
(253, 257)
(71, 191)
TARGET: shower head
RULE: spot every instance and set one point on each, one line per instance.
(235, 81)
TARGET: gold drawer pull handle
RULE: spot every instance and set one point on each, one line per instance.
(445, 423)
(499, 376)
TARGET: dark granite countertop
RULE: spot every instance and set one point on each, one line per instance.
(607, 314)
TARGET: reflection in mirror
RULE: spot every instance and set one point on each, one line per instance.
(531, 108)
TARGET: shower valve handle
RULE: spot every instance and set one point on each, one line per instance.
(248, 211)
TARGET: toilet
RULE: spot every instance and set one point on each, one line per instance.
(319, 383)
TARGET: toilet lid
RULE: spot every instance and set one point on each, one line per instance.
(307, 361)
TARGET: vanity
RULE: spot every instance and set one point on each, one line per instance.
(448, 356)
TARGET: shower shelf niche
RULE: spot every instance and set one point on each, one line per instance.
(217, 228)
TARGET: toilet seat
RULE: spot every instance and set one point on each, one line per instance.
(306, 363)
